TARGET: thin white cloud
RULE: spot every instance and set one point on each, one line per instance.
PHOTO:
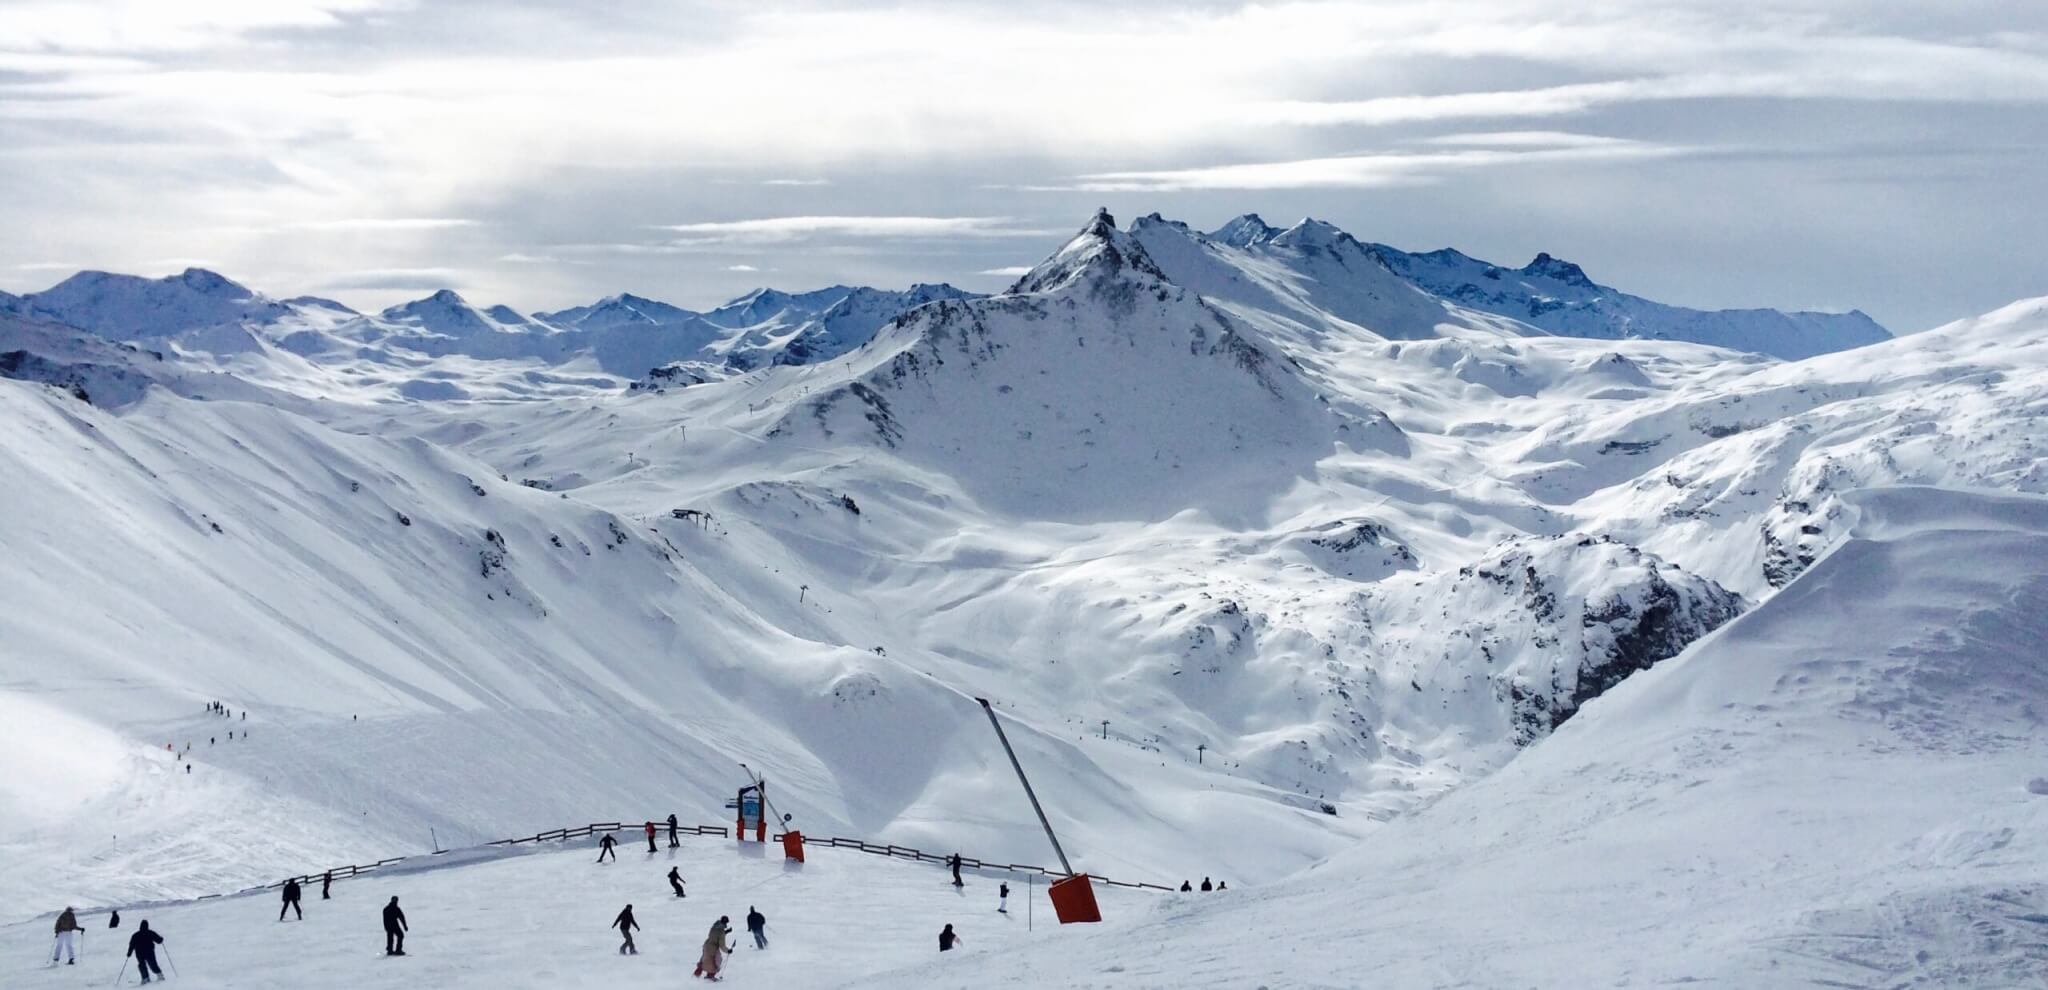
(799, 228)
(46, 266)
(1011, 271)
(796, 182)
(1527, 139)
(382, 223)
(741, 268)
(1358, 171)
(522, 258)
(156, 25)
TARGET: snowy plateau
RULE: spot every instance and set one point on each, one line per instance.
(1479, 626)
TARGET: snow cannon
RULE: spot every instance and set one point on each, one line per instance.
(1073, 900)
(1073, 897)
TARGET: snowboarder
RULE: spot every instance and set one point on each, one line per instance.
(1206, 885)
(1186, 887)
(675, 882)
(68, 931)
(947, 938)
(326, 881)
(142, 945)
(625, 924)
(604, 848)
(954, 862)
(1003, 899)
(673, 842)
(291, 899)
(713, 957)
(394, 928)
(757, 925)
(650, 836)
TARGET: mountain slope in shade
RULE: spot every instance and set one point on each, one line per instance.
(129, 306)
(1557, 296)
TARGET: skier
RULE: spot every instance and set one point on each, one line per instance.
(604, 848)
(713, 957)
(675, 882)
(142, 945)
(1003, 899)
(954, 862)
(625, 924)
(673, 842)
(1186, 887)
(650, 836)
(326, 881)
(68, 931)
(1206, 885)
(114, 920)
(291, 899)
(757, 925)
(947, 938)
(394, 928)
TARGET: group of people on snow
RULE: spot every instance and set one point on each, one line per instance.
(1206, 886)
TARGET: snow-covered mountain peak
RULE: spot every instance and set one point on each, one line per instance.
(1095, 255)
(1311, 233)
(1244, 231)
(1545, 266)
(123, 306)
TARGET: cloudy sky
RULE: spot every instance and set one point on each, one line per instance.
(1825, 154)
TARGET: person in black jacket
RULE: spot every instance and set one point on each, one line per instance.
(625, 924)
(604, 848)
(954, 862)
(947, 938)
(675, 882)
(291, 900)
(142, 945)
(394, 929)
(757, 925)
(673, 842)
(326, 881)
(1206, 885)
(1186, 887)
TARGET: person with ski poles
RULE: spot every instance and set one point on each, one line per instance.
(68, 933)
(650, 837)
(142, 946)
(291, 899)
(394, 928)
(713, 957)
(1003, 899)
(604, 848)
(757, 926)
(625, 924)
(673, 842)
(675, 882)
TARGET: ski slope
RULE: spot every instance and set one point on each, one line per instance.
(538, 920)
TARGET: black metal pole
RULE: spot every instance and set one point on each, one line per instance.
(1026, 781)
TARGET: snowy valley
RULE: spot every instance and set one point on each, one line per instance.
(1487, 623)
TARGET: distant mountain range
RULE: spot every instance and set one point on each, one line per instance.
(1312, 276)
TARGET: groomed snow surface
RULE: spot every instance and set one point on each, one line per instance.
(539, 919)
